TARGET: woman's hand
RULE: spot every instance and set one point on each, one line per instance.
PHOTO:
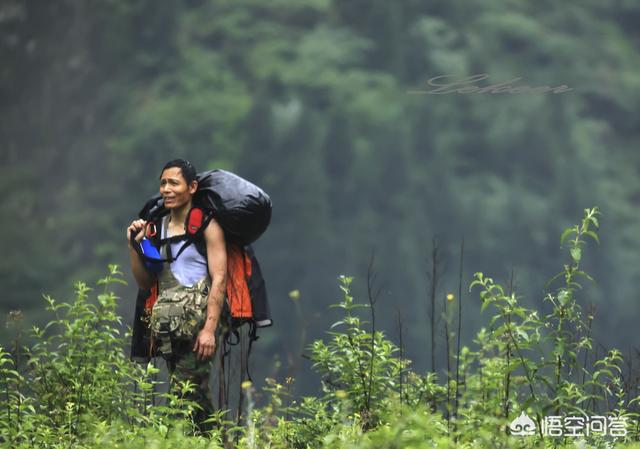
(137, 226)
(205, 344)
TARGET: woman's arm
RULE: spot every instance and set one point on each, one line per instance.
(144, 279)
(217, 264)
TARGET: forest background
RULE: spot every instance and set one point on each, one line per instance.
(314, 100)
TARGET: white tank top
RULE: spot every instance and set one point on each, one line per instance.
(191, 266)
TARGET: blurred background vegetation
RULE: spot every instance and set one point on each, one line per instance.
(310, 99)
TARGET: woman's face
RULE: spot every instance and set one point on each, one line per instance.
(174, 188)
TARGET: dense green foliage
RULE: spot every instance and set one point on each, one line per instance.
(310, 99)
(75, 387)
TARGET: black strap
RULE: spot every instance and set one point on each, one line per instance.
(252, 337)
(197, 239)
(232, 330)
(169, 259)
(227, 343)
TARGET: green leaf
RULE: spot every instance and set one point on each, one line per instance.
(576, 254)
(593, 235)
(566, 233)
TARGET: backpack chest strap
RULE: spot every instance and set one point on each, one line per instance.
(164, 243)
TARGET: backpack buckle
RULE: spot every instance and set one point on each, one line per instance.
(151, 230)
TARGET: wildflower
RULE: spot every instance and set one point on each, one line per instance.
(294, 294)
(246, 384)
(450, 297)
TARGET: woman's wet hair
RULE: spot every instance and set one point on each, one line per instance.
(187, 169)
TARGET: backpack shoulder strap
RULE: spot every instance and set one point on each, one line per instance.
(195, 223)
(198, 228)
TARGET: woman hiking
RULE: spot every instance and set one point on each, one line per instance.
(190, 289)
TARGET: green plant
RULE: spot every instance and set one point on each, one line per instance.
(75, 388)
(77, 379)
(345, 361)
(533, 364)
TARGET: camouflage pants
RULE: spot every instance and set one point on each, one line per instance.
(183, 365)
